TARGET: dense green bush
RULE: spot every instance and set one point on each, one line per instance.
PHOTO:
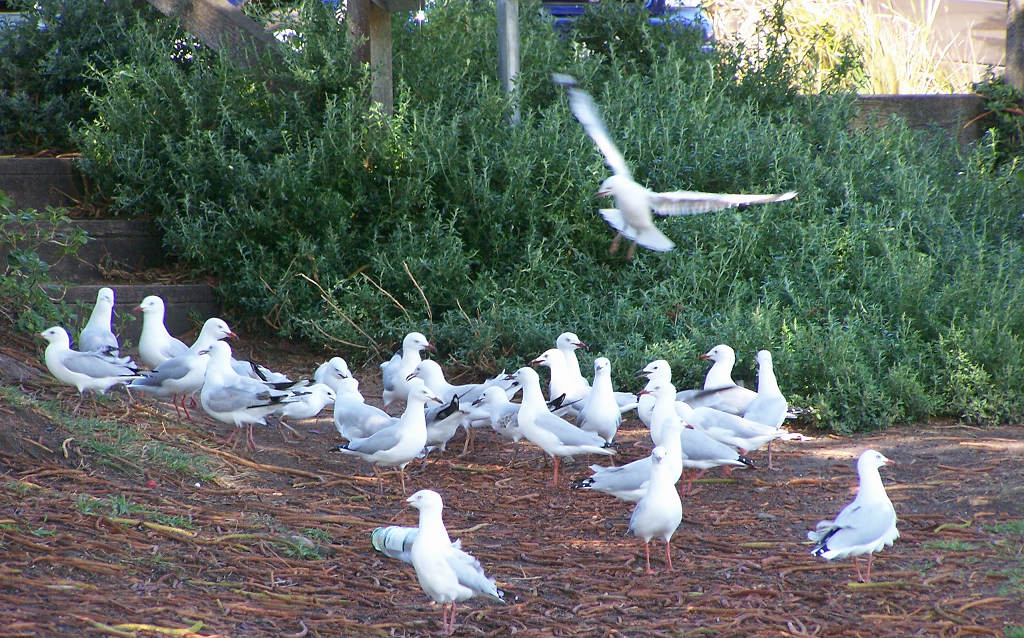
(48, 63)
(890, 290)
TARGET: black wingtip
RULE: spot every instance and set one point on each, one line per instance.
(449, 409)
(582, 484)
(339, 447)
(747, 461)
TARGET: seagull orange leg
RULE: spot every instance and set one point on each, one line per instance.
(856, 565)
(647, 555)
(668, 555)
(554, 479)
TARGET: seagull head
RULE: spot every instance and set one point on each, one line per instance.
(721, 352)
(656, 370)
(872, 459)
(570, 340)
(425, 500)
(56, 334)
(612, 185)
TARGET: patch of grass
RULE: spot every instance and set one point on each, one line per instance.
(318, 535)
(173, 521)
(88, 504)
(1014, 631)
(296, 546)
(121, 505)
(954, 546)
(1013, 527)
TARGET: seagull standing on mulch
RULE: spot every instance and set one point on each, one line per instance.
(87, 371)
(864, 526)
(551, 433)
(719, 391)
(156, 345)
(635, 203)
(97, 335)
(433, 555)
(660, 511)
(235, 399)
(396, 445)
(395, 372)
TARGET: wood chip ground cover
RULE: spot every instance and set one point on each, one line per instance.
(134, 523)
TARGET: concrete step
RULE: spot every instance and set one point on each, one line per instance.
(187, 306)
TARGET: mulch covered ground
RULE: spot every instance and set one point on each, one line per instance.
(100, 539)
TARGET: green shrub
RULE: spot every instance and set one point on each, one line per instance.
(25, 281)
(889, 290)
(48, 64)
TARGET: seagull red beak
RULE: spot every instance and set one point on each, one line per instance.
(580, 344)
(430, 347)
(137, 309)
(704, 356)
(231, 335)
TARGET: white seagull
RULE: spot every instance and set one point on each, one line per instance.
(396, 371)
(720, 391)
(629, 482)
(864, 526)
(660, 511)
(331, 372)
(494, 408)
(235, 399)
(700, 452)
(635, 203)
(353, 417)
(309, 402)
(87, 371)
(156, 345)
(553, 434)
(97, 335)
(447, 574)
(178, 377)
(599, 412)
(397, 444)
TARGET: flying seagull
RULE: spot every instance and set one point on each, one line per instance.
(635, 203)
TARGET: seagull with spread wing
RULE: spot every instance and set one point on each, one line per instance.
(635, 203)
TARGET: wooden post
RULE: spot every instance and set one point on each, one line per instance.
(508, 50)
(1015, 43)
(221, 26)
(380, 57)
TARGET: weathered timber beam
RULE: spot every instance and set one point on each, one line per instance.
(221, 26)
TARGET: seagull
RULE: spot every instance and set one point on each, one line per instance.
(396, 541)
(629, 482)
(720, 391)
(332, 372)
(235, 399)
(599, 412)
(743, 434)
(309, 401)
(562, 382)
(156, 345)
(214, 329)
(182, 376)
(97, 336)
(567, 343)
(769, 405)
(353, 417)
(494, 408)
(447, 574)
(566, 393)
(177, 377)
(556, 436)
(660, 511)
(864, 526)
(88, 371)
(395, 372)
(397, 444)
(700, 452)
(635, 203)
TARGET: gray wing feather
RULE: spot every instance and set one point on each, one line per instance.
(695, 203)
(95, 365)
